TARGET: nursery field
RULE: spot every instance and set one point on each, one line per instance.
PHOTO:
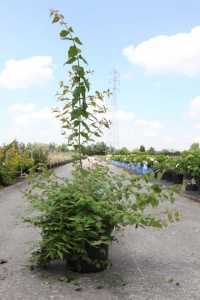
(182, 169)
(147, 264)
(16, 159)
(78, 226)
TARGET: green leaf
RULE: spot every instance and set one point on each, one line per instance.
(154, 200)
(76, 123)
(86, 126)
(76, 113)
(71, 60)
(76, 94)
(70, 29)
(97, 243)
(56, 19)
(73, 51)
(79, 70)
(87, 84)
(82, 90)
(77, 40)
(83, 59)
(60, 254)
(85, 106)
(84, 134)
(97, 134)
(64, 33)
(156, 188)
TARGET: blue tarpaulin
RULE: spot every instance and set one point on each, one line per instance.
(139, 169)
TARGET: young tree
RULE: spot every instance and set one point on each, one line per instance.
(82, 114)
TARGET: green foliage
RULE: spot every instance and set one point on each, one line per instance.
(39, 153)
(17, 159)
(151, 150)
(80, 215)
(14, 159)
(79, 108)
(96, 149)
(122, 151)
(187, 163)
(195, 147)
(89, 208)
(142, 148)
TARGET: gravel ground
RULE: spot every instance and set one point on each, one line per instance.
(147, 264)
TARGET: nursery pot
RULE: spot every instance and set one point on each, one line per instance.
(98, 260)
(177, 178)
(188, 176)
(168, 175)
(191, 187)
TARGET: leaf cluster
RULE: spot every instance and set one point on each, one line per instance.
(88, 208)
(14, 159)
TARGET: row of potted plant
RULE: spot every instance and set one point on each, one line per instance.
(176, 169)
(16, 159)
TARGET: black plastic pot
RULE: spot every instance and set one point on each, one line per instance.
(191, 187)
(168, 175)
(188, 176)
(98, 260)
(177, 178)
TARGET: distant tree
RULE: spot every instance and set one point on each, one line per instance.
(96, 149)
(21, 147)
(39, 152)
(122, 151)
(195, 146)
(111, 149)
(100, 148)
(151, 150)
(52, 147)
(165, 152)
(142, 148)
(170, 152)
(62, 148)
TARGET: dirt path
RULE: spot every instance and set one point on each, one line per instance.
(147, 264)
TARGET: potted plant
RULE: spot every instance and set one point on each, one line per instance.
(79, 216)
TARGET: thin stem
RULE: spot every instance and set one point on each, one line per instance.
(79, 127)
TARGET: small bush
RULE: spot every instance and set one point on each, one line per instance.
(84, 212)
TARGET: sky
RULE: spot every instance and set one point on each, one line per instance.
(154, 46)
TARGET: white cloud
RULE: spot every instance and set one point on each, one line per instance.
(178, 53)
(21, 108)
(26, 72)
(121, 115)
(148, 124)
(148, 128)
(197, 140)
(27, 113)
(194, 111)
(132, 131)
(29, 123)
(135, 131)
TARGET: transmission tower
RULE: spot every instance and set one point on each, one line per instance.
(114, 109)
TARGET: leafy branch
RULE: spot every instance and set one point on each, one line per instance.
(82, 115)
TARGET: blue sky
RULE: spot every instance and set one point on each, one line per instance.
(154, 45)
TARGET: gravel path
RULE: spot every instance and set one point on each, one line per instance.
(147, 264)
